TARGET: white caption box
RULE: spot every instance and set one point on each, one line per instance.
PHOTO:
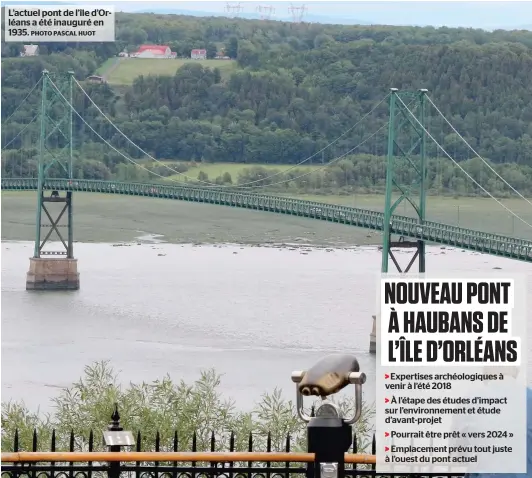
(65, 23)
(451, 411)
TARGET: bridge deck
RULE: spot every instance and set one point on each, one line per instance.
(494, 244)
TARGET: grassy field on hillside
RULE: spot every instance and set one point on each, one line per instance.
(213, 170)
(130, 68)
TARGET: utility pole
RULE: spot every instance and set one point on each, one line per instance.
(297, 12)
(265, 11)
(233, 9)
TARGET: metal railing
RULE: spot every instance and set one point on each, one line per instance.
(163, 463)
(87, 458)
(180, 465)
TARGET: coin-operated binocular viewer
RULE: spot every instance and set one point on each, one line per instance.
(329, 434)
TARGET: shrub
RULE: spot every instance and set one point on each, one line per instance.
(167, 407)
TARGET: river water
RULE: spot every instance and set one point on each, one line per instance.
(253, 313)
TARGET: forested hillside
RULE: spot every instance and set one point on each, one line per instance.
(297, 88)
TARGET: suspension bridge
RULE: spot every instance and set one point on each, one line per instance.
(50, 164)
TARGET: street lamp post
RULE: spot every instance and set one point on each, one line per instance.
(114, 438)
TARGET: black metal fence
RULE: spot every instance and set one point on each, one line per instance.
(174, 469)
(20, 465)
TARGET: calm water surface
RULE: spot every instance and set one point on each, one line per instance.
(253, 313)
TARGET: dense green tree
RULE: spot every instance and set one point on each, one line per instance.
(296, 89)
(231, 48)
(211, 50)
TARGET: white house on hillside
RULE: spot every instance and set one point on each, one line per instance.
(198, 54)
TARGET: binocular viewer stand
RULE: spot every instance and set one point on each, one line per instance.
(330, 435)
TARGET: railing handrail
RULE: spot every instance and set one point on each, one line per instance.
(137, 456)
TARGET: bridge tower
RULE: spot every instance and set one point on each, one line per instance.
(54, 269)
(406, 179)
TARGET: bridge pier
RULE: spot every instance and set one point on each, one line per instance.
(52, 274)
(54, 270)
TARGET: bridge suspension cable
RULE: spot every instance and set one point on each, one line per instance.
(23, 101)
(250, 182)
(21, 131)
(320, 168)
(460, 167)
(332, 161)
(166, 178)
(476, 154)
(116, 150)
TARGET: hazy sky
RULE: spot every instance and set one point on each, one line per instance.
(499, 14)
(487, 14)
